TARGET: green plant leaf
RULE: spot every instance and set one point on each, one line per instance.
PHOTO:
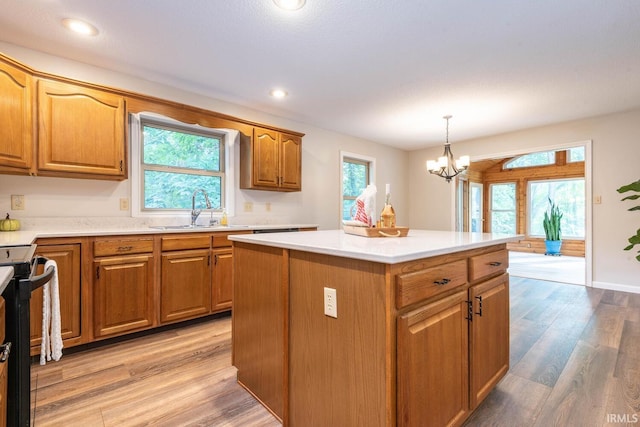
(635, 208)
(634, 186)
(632, 197)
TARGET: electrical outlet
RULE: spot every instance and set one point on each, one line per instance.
(330, 303)
(17, 202)
(124, 204)
(267, 206)
(248, 206)
(597, 200)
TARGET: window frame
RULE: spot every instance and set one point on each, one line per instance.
(509, 164)
(356, 158)
(229, 141)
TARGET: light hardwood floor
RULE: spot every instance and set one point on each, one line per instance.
(575, 361)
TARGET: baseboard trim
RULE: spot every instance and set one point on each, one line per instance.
(617, 287)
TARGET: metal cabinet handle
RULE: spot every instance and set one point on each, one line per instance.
(5, 349)
(495, 263)
(479, 298)
(442, 282)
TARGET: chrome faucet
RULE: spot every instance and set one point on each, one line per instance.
(196, 212)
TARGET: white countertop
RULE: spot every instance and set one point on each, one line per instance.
(390, 250)
(26, 237)
(6, 273)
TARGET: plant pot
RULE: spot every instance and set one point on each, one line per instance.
(553, 247)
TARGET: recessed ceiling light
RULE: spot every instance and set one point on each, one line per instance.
(80, 27)
(278, 93)
(290, 4)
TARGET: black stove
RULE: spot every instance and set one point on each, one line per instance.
(18, 257)
(17, 296)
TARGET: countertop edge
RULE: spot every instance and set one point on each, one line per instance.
(280, 242)
(27, 237)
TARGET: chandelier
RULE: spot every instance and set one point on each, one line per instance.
(446, 167)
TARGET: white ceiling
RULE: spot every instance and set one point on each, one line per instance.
(383, 70)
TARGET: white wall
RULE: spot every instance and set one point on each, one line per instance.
(616, 162)
(318, 203)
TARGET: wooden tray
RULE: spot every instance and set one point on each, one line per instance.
(376, 232)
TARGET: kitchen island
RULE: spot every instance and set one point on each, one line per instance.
(420, 334)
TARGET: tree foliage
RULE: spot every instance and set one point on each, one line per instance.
(177, 163)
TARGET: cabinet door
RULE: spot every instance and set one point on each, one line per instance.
(489, 340)
(433, 369)
(67, 258)
(122, 294)
(185, 289)
(290, 162)
(222, 288)
(16, 144)
(81, 130)
(265, 158)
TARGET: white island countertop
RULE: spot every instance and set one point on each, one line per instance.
(389, 250)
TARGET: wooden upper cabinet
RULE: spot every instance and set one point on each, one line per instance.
(16, 124)
(81, 131)
(290, 162)
(271, 161)
(265, 158)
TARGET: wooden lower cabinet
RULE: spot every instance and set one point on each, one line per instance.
(433, 364)
(67, 258)
(185, 290)
(417, 343)
(488, 336)
(123, 294)
(222, 279)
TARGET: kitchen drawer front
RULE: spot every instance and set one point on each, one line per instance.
(488, 264)
(172, 243)
(122, 247)
(222, 239)
(423, 284)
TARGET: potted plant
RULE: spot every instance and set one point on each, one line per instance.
(552, 229)
(635, 187)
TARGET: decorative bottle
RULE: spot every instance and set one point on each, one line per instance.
(388, 215)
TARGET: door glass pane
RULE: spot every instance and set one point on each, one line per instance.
(503, 208)
(355, 178)
(476, 208)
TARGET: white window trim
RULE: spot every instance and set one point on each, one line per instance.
(231, 147)
(372, 178)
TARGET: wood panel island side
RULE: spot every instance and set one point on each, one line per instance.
(420, 338)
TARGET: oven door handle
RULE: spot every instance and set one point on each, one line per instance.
(41, 280)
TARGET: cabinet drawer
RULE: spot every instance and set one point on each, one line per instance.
(222, 239)
(180, 243)
(488, 264)
(420, 285)
(122, 247)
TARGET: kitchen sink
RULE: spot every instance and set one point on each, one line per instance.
(198, 227)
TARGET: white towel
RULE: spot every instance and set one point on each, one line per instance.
(51, 347)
